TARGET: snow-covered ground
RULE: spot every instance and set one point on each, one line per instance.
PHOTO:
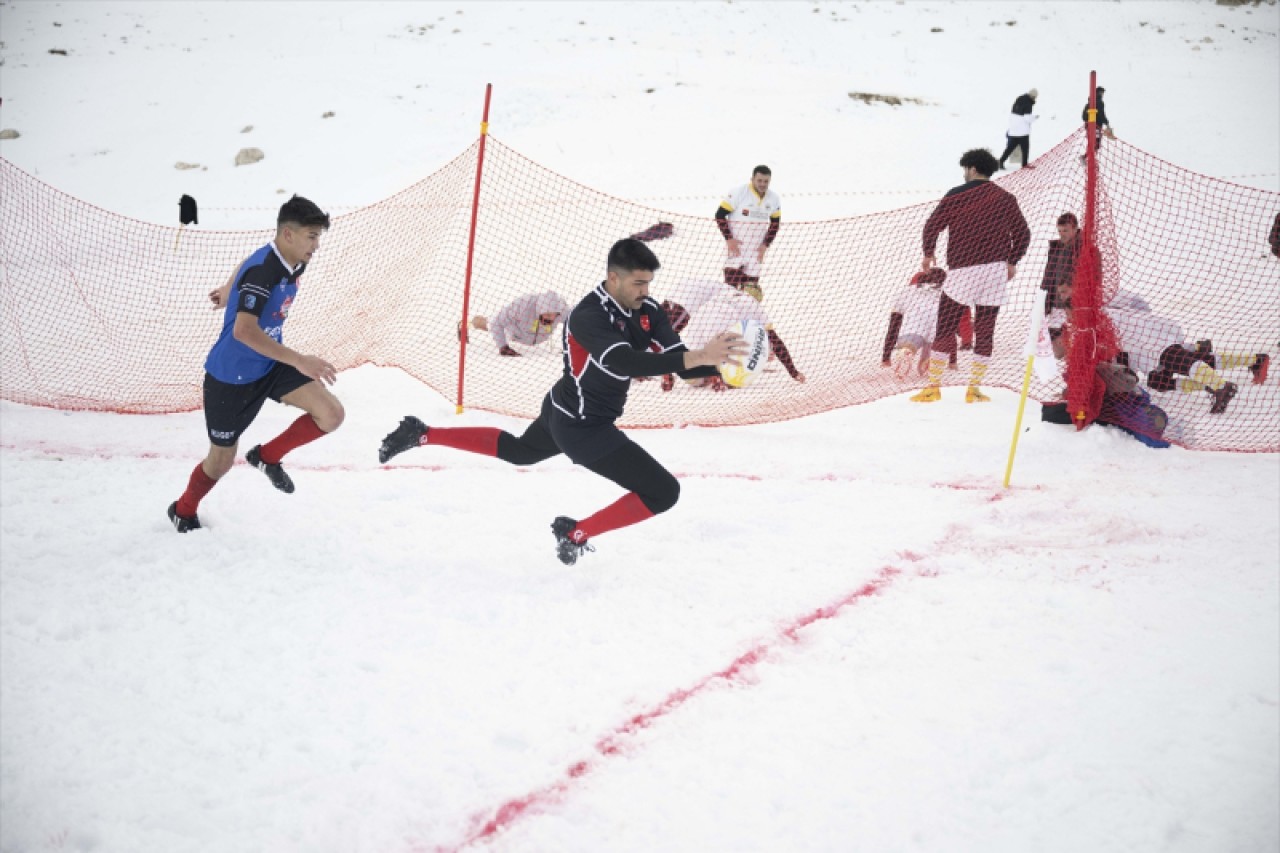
(846, 636)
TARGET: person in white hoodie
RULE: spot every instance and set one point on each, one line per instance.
(1019, 133)
(528, 320)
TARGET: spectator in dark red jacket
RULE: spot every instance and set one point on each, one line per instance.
(1060, 268)
(987, 236)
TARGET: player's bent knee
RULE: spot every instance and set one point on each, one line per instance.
(662, 498)
(517, 451)
(330, 415)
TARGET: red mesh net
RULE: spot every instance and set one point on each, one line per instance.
(102, 312)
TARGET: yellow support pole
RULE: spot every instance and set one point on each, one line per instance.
(1017, 425)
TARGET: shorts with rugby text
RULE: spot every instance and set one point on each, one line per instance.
(984, 284)
(230, 409)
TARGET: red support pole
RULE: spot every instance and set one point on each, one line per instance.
(463, 335)
(1087, 280)
(1091, 162)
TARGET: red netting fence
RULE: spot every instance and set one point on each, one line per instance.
(101, 312)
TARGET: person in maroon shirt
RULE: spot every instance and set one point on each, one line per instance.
(987, 236)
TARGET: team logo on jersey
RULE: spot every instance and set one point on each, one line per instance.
(644, 322)
(250, 301)
(284, 308)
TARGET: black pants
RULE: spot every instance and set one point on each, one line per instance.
(1023, 142)
(984, 326)
(627, 464)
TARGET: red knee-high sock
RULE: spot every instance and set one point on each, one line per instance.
(965, 329)
(625, 511)
(302, 431)
(482, 440)
(197, 487)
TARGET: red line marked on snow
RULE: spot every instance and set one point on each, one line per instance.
(612, 743)
(49, 449)
(105, 453)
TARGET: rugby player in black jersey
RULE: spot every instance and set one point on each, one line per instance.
(615, 334)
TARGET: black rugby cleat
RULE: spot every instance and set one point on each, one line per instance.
(275, 473)
(410, 434)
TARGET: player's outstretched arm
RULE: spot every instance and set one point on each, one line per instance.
(219, 295)
(724, 348)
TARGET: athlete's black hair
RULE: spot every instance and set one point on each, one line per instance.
(761, 170)
(301, 211)
(981, 159)
(629, 255)
(1068, 218)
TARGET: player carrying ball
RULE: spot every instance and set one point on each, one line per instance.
(616, 333)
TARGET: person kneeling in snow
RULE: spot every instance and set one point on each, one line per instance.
(913, 323)
(529, 320)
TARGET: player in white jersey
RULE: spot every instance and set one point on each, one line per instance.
(688, 296)
(1056, 317)
(1156, 345)
(913, 323)
(749, 217)
(716, 309)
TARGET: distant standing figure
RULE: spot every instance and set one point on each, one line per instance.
(749, 217)
(1274, 237)
(249, 363)
(529, 320)
(1102, 123)
(987, 237)
(1019, 132)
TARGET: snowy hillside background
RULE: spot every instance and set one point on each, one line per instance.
(845, 636)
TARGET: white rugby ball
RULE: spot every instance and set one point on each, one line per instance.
(755, 358)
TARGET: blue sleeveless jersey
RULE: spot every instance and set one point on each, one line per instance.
(264, 287)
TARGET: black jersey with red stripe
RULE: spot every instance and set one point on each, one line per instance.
(605, 346)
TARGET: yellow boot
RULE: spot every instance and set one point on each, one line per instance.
(974, 394)
(932, 392)
(929, 394)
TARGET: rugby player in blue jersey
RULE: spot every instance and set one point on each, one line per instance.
(249, 363)
(615, 334)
